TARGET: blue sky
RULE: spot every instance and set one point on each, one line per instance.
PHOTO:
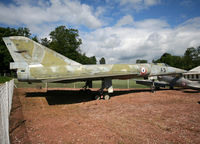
(122, 31)
(173, 11)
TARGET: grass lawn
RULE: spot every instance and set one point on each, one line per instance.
(123, 84)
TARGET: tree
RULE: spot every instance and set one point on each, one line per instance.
(93, 60)
(86, 60)
(67, 42)
(102, 61)
(35, 39)
(198, 56)
(45, 42)
(141, 61)
(191, 58)
(175, 61)
(23, 32)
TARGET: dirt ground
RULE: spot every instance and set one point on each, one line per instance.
(130, 116)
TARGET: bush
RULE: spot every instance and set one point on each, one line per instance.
(4, 79)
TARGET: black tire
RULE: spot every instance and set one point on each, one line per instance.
(97, 97)
(157, 88)
(106, 97)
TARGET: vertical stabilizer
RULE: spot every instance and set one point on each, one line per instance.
(26, 51)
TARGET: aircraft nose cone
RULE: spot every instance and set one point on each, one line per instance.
(180, 70)
(176, 70)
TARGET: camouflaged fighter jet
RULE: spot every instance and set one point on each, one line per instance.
(171, 81)
(180, 81)
(36, 63)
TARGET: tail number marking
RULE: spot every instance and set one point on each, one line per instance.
(163, 70)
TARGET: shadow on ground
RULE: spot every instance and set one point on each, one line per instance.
(57, 97)
(189, 91)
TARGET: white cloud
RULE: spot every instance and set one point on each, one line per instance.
(140, 4)
(37, 13)
(99, 11)
(186, 3)
(124, 42)
(147, 39)
(126, 20)
(151, 2)
(151, 24)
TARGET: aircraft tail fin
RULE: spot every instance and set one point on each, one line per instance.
(26, 51)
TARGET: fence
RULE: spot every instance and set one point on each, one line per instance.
(6, 94)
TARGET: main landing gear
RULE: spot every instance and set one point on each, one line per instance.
(106, 84)
(101, 94)
(105, 97)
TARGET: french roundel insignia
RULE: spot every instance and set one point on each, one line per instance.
(143, 71)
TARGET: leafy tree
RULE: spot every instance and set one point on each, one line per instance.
(197, 60)
(141, 61)
(175, 61)
(93, 60)
(191, 58)
(35, 39)
(23, 32)
(67, 42)
(45, 42)
(198, 50)
(86, 60)
(102, 61)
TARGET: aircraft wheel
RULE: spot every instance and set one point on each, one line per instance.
(157, 88)
(97, 97)
(106, 97)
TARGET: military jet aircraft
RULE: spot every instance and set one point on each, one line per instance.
(180, 82)
(171, 81)
(36, 63)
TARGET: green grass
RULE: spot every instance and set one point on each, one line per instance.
(4, 79)
(123, 84)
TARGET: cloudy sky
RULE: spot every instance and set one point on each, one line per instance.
(122, 31)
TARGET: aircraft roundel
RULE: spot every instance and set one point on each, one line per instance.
(143, 71)
(184, 84)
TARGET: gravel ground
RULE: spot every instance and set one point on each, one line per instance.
(130, 116)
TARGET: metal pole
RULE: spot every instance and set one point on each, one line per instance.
(128, 83)
(46, 85)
